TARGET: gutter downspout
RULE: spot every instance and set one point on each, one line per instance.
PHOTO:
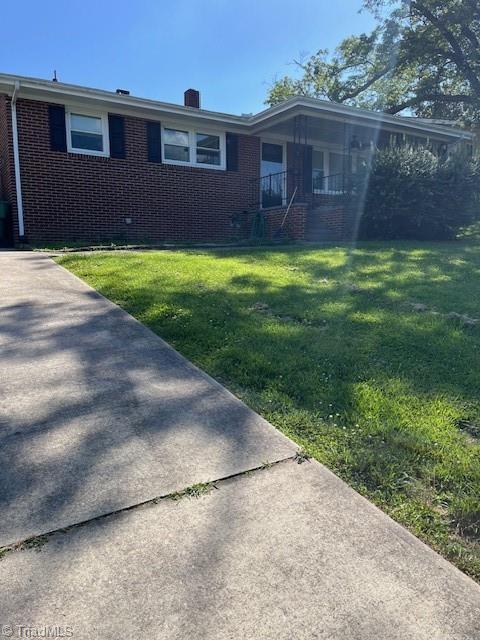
(16, 160)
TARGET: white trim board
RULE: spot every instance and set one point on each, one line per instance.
(49, 91)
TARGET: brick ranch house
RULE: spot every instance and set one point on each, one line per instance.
(92, 165)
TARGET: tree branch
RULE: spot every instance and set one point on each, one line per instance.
(459, 56)
(434, 97)
(472, 38)
(366, 85)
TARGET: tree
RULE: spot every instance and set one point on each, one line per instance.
(423, 57)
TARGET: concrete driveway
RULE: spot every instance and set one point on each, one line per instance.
(99, 415)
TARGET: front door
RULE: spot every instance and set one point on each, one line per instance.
(272, 175)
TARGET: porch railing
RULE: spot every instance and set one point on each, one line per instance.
(336, 183)
(270, 190)
(275, 189)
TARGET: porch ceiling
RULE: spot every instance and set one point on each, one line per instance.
(322, 130)
(334, 130)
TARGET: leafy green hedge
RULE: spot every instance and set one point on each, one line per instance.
(411, 194)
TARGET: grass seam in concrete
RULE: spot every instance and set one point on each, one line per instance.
(193, 491)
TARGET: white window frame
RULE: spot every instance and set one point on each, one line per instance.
(192, 145)
(327, 150)
(89, 114)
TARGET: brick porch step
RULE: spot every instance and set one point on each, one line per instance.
(324, 223)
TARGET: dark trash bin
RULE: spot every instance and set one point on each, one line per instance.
(4, 223)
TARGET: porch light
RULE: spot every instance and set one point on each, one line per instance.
(354, 143)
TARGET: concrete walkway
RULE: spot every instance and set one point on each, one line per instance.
(98, 414)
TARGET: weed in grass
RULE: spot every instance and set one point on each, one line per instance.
(466, 514)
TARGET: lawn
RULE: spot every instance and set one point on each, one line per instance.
(353, 353)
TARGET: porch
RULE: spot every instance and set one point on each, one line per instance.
(313, 213)
(320, 162)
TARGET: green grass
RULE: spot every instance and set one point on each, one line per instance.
(194, 491)
(325, 343)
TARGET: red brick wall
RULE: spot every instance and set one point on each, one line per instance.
(80, 197)
(4, 149)
(7, 174)
(333, 217)
(331, 213)
(331, 210)
(295, 222)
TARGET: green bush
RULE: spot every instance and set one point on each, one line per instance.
(411, 194)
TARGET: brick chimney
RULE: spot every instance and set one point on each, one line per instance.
(191, 98)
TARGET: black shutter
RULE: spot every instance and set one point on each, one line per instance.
(232, 151)
(116, 132)
(154, 141)
(58, 134)
(307, 169)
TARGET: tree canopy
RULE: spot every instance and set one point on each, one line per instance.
(423, 57)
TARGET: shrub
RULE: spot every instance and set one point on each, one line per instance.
(411, 194)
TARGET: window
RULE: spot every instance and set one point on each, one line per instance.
(87, 134)
(337, 164)
(208, 149)
(318, 176)
(176, 145)
(272, 178)
(272, 158)
(329, 169)
(196, 148)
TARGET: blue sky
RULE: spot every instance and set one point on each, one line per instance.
(230, 50)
